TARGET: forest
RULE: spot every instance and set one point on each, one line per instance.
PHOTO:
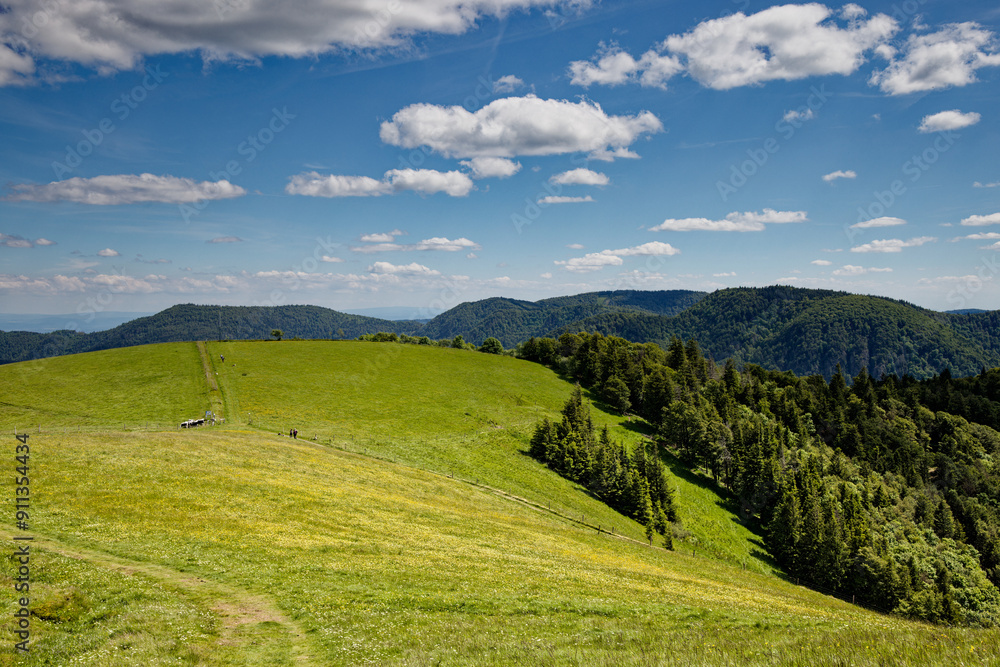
(884, 492)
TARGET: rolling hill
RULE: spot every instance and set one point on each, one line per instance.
(412, 530)
(812, 331)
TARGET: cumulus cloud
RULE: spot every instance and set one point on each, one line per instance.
(423, 181)
(749, 221)
(612, 66)
(507, 84)
(514, 126)
(381, 237)
(15, 241)
(948, 120)
(798, 115)
(111, 35)
(851, 270)
(44, 242)
(884, 221)
(596, 261)
(834, 175)
(985, 236)
(995, 184)
(580, 176)
(119, 189)
(330, 260)
(225, 239)
(108, 252)
(435, 243)
(893, 245)
(575, 246)
(981, 220)
(780, 43)
(942, 59)
(559, 199)
(821, 262)
(491, 167)
(412, 269)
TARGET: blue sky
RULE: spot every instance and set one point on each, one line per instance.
(421, 153)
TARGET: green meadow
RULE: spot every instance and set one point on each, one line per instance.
(411, 531)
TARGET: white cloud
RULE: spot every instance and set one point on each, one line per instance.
(580, 176)
(948, 57)
(884, 221)
(893, 245)
(108, 252)
(14, 241)
(575, 246)
(948, 120)
(430, 181)
(852, 11)
(491, 167)
(785, 43)
(423, 181)
(313, 184)
(507, 84)
(734, 222)
(546, 275)
(381, 237)
(514, 126)
(985, 236)
(330, 260)
(851, 270)
(981, 220)
(610, 67)
(728, 274)
(225, 239)
(597, 260)
(995, 184)
(821, 262)
(798, 116)
(44, 242)
(413, 269)
(553, 199)
(834, 175)
(992, 246)
(435, 243)
(114, 190)
(111, 35)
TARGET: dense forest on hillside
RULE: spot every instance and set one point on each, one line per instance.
(885, 492)
(814, 331)
(512, 321)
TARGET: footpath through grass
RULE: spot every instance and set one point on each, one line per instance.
(378, 563)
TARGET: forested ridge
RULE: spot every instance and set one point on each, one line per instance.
(806, 331)
(885, 492)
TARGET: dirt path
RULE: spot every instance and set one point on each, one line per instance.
(239, 611)
(214, 393)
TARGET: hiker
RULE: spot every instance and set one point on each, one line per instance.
(295, 433)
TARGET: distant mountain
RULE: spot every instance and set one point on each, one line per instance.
(87, 322)
(191, 322)
(812, 331)
(513, 321)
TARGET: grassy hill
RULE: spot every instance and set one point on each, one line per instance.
(422, 535)
(189, 322)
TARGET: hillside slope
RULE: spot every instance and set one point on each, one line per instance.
(512, 321)
(812, 331)
(189, 322)
(431, 541)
